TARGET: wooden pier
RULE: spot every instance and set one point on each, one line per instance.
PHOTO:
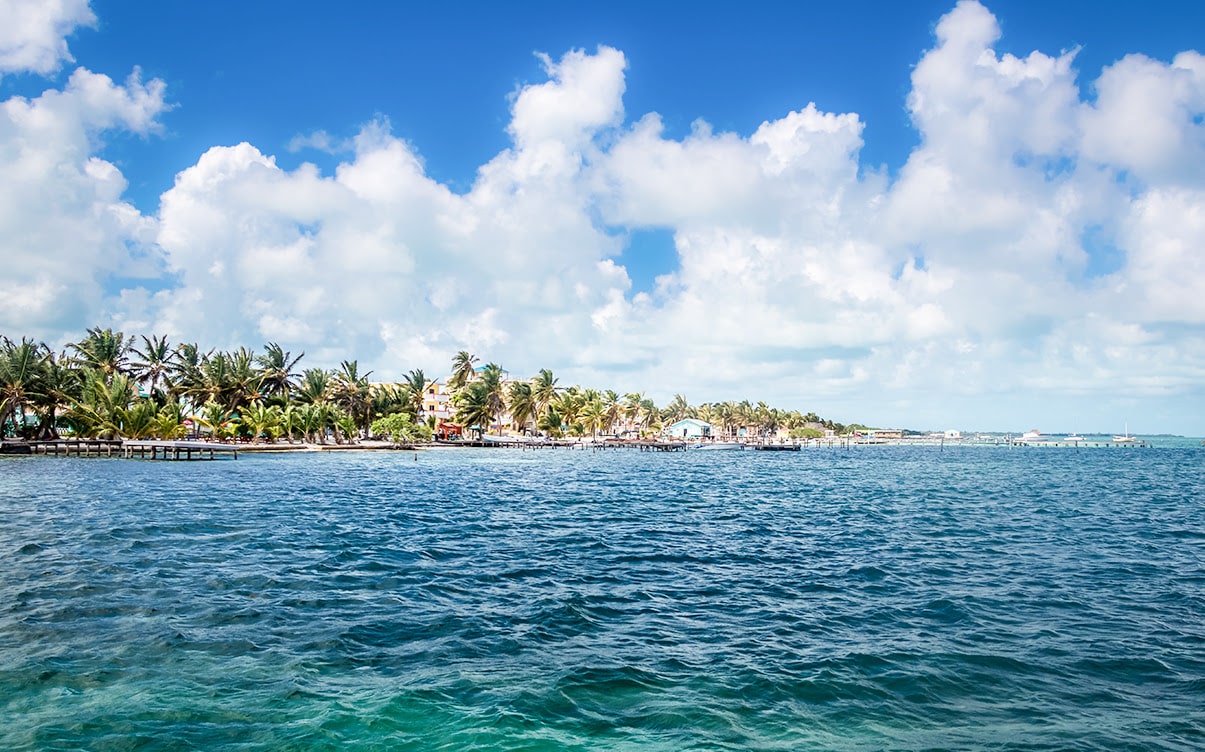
(75, 447)
(176, 450)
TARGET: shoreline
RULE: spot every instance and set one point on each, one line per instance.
(116, 448)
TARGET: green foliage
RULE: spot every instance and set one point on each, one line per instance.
(806, 433)
(401, 429)
(99, 392)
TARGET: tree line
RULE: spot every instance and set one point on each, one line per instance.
(108, 385)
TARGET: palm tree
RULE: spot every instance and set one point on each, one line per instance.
(105, 350)
(650, 416)
(677, 409)
(22, 376)
(462, 370)
(315, 386)
(218, 419)
(631, 407)
(245, 378)
(153, 365)
(104, 407)
(544, 390)
(169, 422)
(491, 378)
(414, 389)
(387, 399)
(260, 419)
(521, 402)
(352, 394)
(550, 422)
(59, 387)
(593, 415)
(473, 409)
(569, 404)
(186, 375)
(276, 377)
(613, 410)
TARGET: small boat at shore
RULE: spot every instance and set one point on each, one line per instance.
(718, 445)
(1125, 438)
(1074, 438)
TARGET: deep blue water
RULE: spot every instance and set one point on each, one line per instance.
(875, 599)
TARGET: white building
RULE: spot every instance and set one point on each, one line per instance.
(688, 428)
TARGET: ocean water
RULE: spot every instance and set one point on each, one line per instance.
(880, 598)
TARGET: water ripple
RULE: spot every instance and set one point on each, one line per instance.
(875, 599)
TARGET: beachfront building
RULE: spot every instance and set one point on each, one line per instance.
(437, 401)
(885, 434)
(689, 428)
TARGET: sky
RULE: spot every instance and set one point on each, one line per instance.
(932, 215)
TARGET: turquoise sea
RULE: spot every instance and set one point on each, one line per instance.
(879, 598)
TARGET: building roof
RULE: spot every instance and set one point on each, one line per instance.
(691, 421)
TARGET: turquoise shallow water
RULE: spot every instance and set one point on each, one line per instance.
(875, 599)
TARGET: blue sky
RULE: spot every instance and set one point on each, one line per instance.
(443, 81)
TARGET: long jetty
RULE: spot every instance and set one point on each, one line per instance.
(125, 448)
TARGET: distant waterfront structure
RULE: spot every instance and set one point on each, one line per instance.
(437, 401)
(885, 434)
(689, 428)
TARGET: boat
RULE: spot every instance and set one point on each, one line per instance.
(1074, 437)
(717, 445)
(1125, 438)
(1029, 437)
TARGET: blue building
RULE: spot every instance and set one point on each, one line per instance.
(688, 428)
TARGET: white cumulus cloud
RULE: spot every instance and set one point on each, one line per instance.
(1037, 252)
(33, 33)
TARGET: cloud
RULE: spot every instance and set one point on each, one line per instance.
(33, 35)
(1037, 251)
(64, 228)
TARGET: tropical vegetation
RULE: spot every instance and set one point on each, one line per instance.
(108, 385)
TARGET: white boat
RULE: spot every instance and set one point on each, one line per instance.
(1030, 436)
(1125, 438)
(717, 445)
(1074, 437)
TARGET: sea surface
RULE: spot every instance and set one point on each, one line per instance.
(877, 598)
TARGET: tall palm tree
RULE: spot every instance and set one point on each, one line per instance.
(103, 409)
(462, 370)
(22, 377)
(569, 404)
(153, 364)
(650, 416)
(316, 386)
(613, 410)
(387, 399)
(60, 385)
(277, 378)
(521, 402)
(631, 407)
(491, 378)
(414, 390)
(217, 380)
(473, 409)
(245, 378)
(544, 390)
(677, 409)
(352, 394)
(186, 375)
(594, 414)
(105, 350)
